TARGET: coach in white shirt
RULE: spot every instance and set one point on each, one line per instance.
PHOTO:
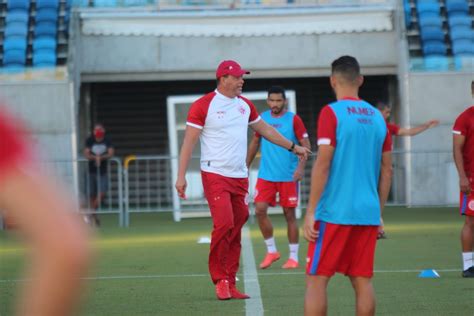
(221, 119)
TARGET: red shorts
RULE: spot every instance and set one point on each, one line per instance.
(347, 249)
(265, 191)
(466, 201)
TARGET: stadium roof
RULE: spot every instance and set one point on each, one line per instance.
(238, 23)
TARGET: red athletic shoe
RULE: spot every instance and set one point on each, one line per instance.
(290, 264)
(269, 259)
(222, 290)
(237, 294)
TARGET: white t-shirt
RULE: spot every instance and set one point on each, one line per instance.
(224, 123)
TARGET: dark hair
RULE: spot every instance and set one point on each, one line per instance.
(347, 66)
(277, 90)
(381, 105)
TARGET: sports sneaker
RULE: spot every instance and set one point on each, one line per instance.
(234, 293)
(269, 259)
(468, 273)
(222, 290)
(290, 264)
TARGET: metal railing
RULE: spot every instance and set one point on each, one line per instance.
(146, 184)
(75, 176)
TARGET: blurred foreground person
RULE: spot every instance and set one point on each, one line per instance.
(45, 219)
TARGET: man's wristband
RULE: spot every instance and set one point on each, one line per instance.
(292, 146)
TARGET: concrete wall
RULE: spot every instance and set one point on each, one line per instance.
(47, 110)
(431, 177)
(196, 58)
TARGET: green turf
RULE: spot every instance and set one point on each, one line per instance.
(156, 268)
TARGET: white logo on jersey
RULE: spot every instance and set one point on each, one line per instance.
(471, 205)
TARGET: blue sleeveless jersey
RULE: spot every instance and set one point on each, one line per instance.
(350, 196)
(278, 164)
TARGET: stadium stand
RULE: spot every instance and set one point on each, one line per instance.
(439, 29)
(30, 24)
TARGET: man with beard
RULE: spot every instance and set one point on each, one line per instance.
(279, 173)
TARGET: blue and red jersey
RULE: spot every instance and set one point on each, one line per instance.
(359, 134)
(277, 163)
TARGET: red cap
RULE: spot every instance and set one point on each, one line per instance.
(230, 67)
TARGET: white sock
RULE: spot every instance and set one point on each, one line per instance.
(467, 260)
(271, 246)
(294, 251)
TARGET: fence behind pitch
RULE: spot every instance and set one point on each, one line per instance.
(146, 184)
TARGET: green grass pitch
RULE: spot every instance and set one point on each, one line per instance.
(156, 267)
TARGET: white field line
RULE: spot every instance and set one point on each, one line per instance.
(253, 305)
(201, 275)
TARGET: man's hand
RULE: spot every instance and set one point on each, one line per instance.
(464, 185)
(381, 231)
(97, 161)
(309, 233)
(432, 123)
(180, 186)
(302, 152)
(298, 175)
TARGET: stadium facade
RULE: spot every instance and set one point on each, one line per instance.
(123, 63)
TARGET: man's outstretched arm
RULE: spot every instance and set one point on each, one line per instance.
(275, 137)
(417, 129)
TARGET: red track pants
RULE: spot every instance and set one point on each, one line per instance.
(228, 202)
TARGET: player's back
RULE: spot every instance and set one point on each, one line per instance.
(351, 193)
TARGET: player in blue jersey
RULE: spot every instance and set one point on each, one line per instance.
(279, 173)
(350, 181)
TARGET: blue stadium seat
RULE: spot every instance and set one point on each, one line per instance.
(49, 43)
(461, 32)
(43, 4)
(18, 5)
(428, 6)
(77, 3)
(460, 20)
(430, 20)
(44, 58)
(17, 16)
(436, 63)
(14, 57)
(12, 68)
(464, 61)
(16, 28)
(131, 3)
(47, 15)
(434, 48)
(457, 7)
(15, 43)
(463, 46)
(407, 11)
(431, 33)
(46, 29)
(105, 3)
